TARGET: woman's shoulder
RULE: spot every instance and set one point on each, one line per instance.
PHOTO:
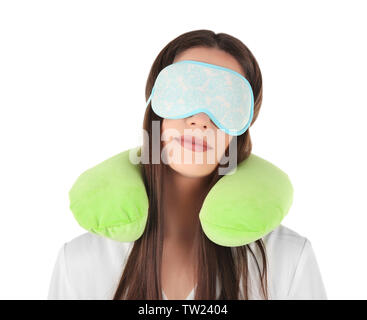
(91, 256)
(89, 245)
(283, 237)
(291, 264)
(89, 249)
(282, 241)
(284, 247)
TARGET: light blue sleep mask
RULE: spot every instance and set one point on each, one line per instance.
(188, 87)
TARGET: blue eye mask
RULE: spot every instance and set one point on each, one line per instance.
(188, 87)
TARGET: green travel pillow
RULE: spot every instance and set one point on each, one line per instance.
(110, 199)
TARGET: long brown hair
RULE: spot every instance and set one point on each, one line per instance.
(141, 277)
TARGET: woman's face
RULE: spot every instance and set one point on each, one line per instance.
(181, 157)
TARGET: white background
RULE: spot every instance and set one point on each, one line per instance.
(72, 81)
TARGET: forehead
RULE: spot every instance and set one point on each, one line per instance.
(211, 55)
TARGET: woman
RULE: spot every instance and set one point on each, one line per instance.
(173, 259)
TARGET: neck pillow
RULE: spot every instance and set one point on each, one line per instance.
(110, 200)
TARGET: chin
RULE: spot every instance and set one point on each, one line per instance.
(193, 170)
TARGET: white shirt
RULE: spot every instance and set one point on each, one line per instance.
(90, 266)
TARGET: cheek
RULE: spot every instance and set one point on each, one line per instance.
(164, 125)
(223, 140)
(229, 138)
(171, 124)
(170, 128)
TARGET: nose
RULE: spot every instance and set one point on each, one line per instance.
(200, 120)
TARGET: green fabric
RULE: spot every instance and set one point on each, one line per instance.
(109, 199)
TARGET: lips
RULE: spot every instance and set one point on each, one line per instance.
(193, 143)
